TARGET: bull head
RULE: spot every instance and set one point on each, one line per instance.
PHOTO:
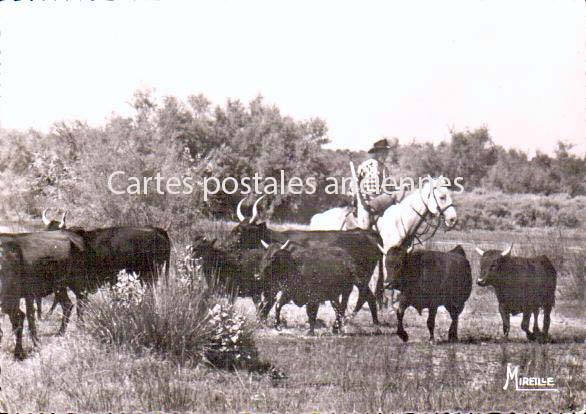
(283, 247)
(51, 224)
(504, 253)
(382, 249)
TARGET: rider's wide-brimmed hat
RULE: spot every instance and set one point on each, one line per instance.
(379, 146)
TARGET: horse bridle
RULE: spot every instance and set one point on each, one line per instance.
(440, 213)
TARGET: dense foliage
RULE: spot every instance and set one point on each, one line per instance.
(68, 168)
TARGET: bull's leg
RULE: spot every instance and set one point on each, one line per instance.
(546, 321)
(339, 315)
(30, 316)
(256, 300)
(505, 316)
(265, 307)
(366, 294)
(525, 326)
(400, 329)
(53, 306)
(431, 323)
(536, 330)
(80, 303)
(282, 301)
(66, 304)
(453, 332)
(312, 316)
(360, 302)
(344, 299)
(17, 321)
(39, 301)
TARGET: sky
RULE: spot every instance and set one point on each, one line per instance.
(405, 69)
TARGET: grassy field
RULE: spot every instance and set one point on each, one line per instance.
(368, 369)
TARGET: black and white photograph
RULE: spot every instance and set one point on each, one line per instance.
(292, 206)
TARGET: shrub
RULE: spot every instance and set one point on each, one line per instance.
(169, 319)
(231, 342)
(180, 321)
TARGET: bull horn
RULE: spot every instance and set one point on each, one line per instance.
(381, 248)
(507, 251)
(410, 249)
(239, 214)
(479, 251)
(264, 244)
(62, 224)
(255, 209)
(46, 221)
(283, 247)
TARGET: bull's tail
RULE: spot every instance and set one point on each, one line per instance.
(161, 253)
(167, 258)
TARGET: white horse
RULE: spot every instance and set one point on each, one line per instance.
(401, 221)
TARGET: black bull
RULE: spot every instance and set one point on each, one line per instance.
(307, 276)
(108, 250)
(136, 249)
(428, 279)
(143, 250)
(361, 245)
(522, 285)
(231, 271)
(34, 265)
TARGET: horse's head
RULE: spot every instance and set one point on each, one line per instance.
(438, 200)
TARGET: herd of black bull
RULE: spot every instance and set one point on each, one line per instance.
(307, 267)
(34, 265)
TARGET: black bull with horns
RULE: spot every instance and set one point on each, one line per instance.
(522, 285)
(361, 246)
(429, 279)
(144, 250)
(306, 276)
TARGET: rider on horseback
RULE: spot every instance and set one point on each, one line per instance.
(374, 183)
